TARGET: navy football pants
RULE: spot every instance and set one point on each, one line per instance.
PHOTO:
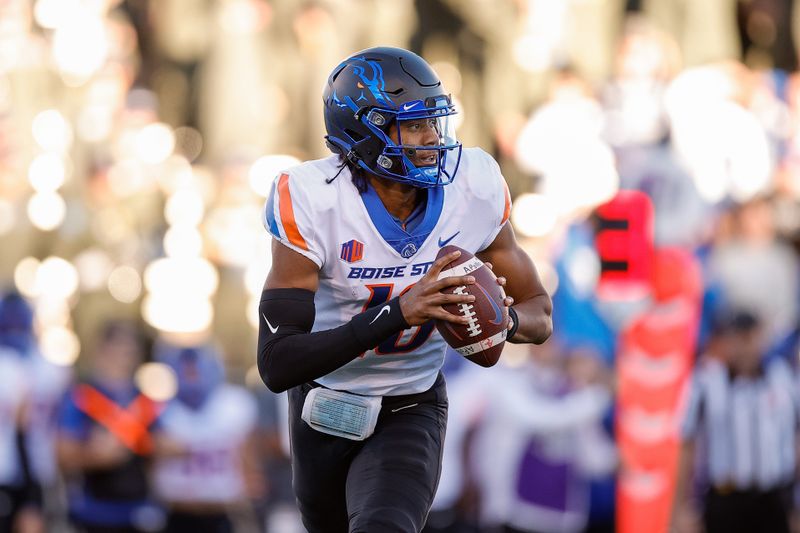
(383, 484)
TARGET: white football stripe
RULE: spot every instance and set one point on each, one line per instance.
(463, 269)
(485, 344)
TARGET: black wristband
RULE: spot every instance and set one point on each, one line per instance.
(514, 323)
(377, 323)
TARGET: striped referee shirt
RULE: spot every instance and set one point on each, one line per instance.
(747, 424)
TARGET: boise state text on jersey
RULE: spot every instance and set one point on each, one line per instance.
(418, 269)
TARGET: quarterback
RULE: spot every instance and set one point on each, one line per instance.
(348, 308)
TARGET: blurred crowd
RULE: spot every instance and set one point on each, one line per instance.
(138, 139)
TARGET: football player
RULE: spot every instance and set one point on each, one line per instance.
(205, 440)
(348, 308)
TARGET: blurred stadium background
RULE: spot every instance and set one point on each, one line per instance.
(138, 139)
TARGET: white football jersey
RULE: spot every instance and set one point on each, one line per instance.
(211, 471)
(366, 258)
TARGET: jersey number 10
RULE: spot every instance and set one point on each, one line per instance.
(382, 293)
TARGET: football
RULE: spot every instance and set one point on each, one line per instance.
(481, 341)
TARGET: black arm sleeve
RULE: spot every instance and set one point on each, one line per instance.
(289, 355)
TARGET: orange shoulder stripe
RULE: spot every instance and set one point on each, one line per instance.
(507, 210)
(287, 214)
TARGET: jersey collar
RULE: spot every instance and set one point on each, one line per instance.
(405, 242)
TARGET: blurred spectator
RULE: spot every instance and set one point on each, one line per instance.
(45, 385)
(105, 440)
(20, 493)
(539, 443)
(206, 466)
(636, 126)
(765, 30)
(740, 424)
(645, 62)
(756, 271)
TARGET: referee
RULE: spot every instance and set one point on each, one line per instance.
(738, 434)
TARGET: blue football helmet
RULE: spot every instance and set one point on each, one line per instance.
(376, 89)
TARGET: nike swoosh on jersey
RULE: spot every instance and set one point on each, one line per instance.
(444, 242)
(384, 308)
(273, 330)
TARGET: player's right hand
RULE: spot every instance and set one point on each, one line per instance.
(423, 301)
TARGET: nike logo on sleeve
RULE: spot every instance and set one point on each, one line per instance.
(273, 330)
(444, 242)
(384, 308)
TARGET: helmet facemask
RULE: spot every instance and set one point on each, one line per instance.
(402, 160)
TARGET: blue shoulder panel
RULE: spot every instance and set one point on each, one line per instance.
(269, 211)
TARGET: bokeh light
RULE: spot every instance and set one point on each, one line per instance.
(185, 314)
(183, 240)
(80, 45)
(56, 278)
(155, 143)
(176, 173)
(188, 142)
(60, 345)
(264, 171)
(94, 267)
(50, 13)
(534, 215)
(52, 131)
(157, 381)
(181, 277)
(47, 173)
(237, 235)
(51, 312)
(46, 210)
(125, 284)
(185, 206)
(25, 276)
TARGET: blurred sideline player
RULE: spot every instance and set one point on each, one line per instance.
(20, 488)
(205, 439)
(348, 306)
(105, 442)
